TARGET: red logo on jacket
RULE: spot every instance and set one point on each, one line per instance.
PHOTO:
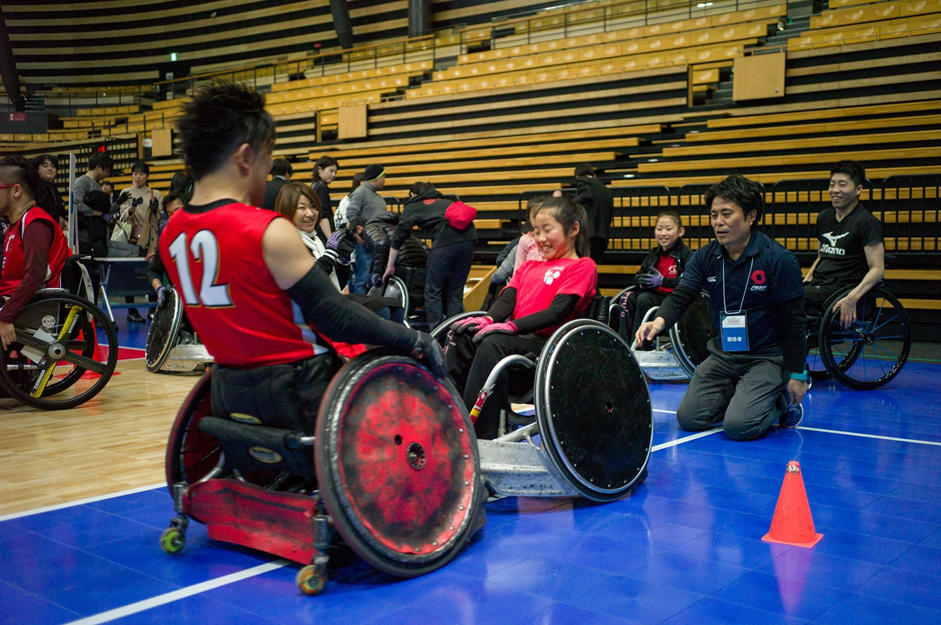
(758, 277)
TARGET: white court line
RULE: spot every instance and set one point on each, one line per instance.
(80, 502)
(685, 439)
(877, 436)
(182, 593)
(666, 411)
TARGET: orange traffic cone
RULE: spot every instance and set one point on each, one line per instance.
(792, 523)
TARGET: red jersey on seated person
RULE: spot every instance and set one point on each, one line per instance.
(214, 258)
(537, 283)
(14, 254)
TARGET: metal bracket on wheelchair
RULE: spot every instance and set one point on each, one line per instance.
(512, 467)
(323, 534)
(179, 490)
(492, 380)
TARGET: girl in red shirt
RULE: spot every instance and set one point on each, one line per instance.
(541, 297)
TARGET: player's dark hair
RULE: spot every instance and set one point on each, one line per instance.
(217, 121)
(18, 170)
(673, 215)
(42, 158)
(322, 163)
(100, 159)
(182, 182)
(281, 167)
(746, 193)
(568, 213)
(142, 167)
(173, 196)
(584, 170)
(855, 171)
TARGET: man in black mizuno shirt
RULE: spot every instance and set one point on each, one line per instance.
(850, 250)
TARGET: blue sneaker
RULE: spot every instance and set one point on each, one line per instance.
(792, 416)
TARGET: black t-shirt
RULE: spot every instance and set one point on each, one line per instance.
(326, 208)
(765, 274)
(842, 246)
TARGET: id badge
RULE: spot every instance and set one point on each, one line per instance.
(735, 332)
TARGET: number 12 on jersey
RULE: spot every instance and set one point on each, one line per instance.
(205, 251)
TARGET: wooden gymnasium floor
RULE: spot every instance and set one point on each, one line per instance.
(683, 548)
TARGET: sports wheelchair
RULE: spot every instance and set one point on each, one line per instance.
(869, 353)
(593, 427)
(393, 468)
(676, 357)
(172, 343)
(56, 361)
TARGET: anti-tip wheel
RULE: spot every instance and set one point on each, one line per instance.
(310, 581)
(172, 540)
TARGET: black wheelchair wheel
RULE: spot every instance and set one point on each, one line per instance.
(164, 331)
(55, 347)
(593, 410)
(397, 464)
(691, 334)
(395, 288)
(873, 350)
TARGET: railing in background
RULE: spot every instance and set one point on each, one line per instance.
(909, 207)
(582, 18)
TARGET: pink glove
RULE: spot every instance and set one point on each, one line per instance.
(471, 324)
(508, 327)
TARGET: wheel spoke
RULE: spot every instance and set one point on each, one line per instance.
(887, 321)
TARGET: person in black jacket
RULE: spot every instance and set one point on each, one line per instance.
(658, 275)
(451, 223)
(47, 195)
(599, 204)
(281, 172)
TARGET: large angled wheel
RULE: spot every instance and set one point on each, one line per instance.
(164, 330)
(692, 333)
(56, 345)
(395, 288)
(873, 350)
(397, 464)
(593, 410)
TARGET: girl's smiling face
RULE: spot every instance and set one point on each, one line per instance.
(668, 232)
(552, 240)
(305, 217)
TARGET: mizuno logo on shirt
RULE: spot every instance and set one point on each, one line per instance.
(833, 239)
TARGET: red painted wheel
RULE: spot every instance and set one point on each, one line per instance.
(397, 464)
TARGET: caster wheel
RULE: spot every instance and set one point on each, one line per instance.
(310, 581)
(172, 540)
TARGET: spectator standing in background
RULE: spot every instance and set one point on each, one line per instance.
(281, 172)
(108, 187)
(365, 202)
(48, 196)
(325, 172)
(339, 218)
(140, 206)
(599, 204)
(89, 219)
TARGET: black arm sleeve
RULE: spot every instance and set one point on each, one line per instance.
(501, 309)
(795, 334)
(560, 308)
(156, 270)
(676, 304)
(326, 262)
(340, 319)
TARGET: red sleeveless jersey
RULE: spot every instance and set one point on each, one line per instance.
(14, 255)
(213, 255)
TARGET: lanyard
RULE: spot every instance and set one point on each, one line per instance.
(741, 305)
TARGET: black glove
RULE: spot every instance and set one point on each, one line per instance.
(427, 350)
(154, 206)
(124, 197)
(345, 248)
